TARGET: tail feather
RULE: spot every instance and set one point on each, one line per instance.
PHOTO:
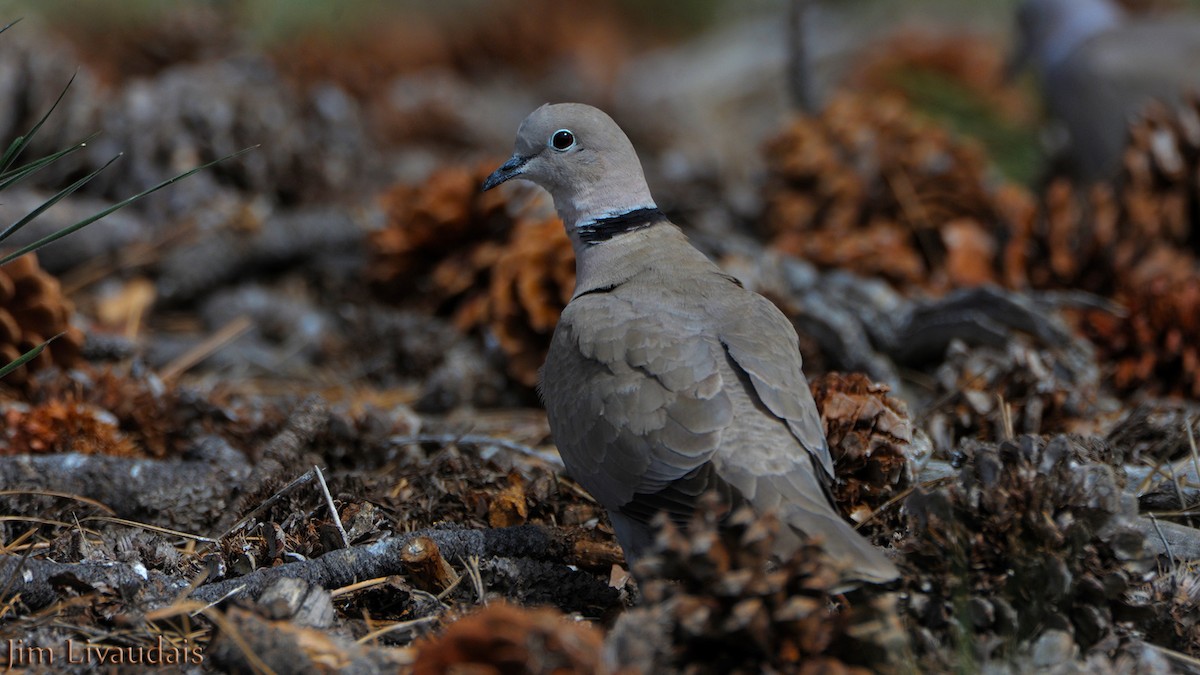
(862, 560)
(804, 505)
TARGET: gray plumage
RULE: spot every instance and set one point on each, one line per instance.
(1098, 69)
(665, 378)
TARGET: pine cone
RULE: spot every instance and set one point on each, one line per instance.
(492, 262)
(1159, 194)
(1134, 241)
(441, 236)
(1156, 345)
(866, 186)
(716, 603)
(902, 64)
(32, 310)
(63, 426)
(992, 393)
(873, 441)
(103, 411)
(1031, 536)
(501, 638)
(531, 282)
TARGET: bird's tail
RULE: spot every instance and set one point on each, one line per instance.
(860, 560)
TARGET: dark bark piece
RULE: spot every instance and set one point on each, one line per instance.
(386, 557)
(304, 604)
(187, 495)
(532, 556)
(863, 324)
(41, 582)
(285, 647)
(544, 582)
(285, 239)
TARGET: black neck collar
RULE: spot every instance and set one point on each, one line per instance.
(603, 229)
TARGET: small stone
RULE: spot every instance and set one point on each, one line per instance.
(1052, 648)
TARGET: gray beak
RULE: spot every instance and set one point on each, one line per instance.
(510, 169)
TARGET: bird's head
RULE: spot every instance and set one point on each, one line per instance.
(582, 158)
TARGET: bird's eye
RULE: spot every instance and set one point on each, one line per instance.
(562, 140)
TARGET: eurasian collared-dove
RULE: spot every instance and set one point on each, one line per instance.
(665, 378)
(1098, 69)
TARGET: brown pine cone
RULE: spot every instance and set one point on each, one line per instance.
(32, 310)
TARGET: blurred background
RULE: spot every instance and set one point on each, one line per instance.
(916, 144)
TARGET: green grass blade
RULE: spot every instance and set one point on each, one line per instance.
(20, 142)
(14, 176)
(50, 238)
(26, 357)
(12, 229)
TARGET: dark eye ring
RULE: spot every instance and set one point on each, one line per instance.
(562, 140)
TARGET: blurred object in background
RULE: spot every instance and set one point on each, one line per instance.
(954, 75)
(1099, 67)
(869, 175)
(33, 309)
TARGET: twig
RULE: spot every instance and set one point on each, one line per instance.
(37, 580)
(1184, 541)
(232, 592)
(148, 526)
(337, 519)
(472, 568)
(1006, 422)
(382, 558)
(362, 585)
(1192, 447)
(55, 493)
(900, 497)
(477, 440)
(1178, 658)
(231, 631)
(1170, 555)
(188, 495)
(399, 625)
(268, 503)
(1179, 493)
(40, 521)
(224, 335)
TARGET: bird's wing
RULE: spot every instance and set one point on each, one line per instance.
(636, 403)
(772, 473)
(763, 343)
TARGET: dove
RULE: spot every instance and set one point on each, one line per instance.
(1098, 69)
(665, 378)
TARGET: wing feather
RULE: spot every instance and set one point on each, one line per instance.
(636, 403)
